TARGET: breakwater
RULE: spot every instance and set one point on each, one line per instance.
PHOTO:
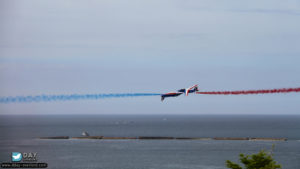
(165, 138)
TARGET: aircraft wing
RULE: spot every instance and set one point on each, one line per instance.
(171, 94)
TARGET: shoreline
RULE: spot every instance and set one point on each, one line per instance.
(166, 138)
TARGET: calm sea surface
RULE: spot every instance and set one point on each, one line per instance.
(19, 134)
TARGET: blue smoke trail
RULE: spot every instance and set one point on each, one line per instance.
(49, 98)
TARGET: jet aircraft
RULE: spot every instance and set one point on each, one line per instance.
(180, 91)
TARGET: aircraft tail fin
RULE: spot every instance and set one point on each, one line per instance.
(187, 92)
(193, 88)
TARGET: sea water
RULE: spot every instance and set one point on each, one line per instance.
(19, 133)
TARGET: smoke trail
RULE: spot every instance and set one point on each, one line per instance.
(49, 98)
(265, 91)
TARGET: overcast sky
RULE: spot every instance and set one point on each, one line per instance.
(66, 47)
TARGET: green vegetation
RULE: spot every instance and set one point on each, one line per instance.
(261, 160)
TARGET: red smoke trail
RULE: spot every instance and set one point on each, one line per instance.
(265, 91)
